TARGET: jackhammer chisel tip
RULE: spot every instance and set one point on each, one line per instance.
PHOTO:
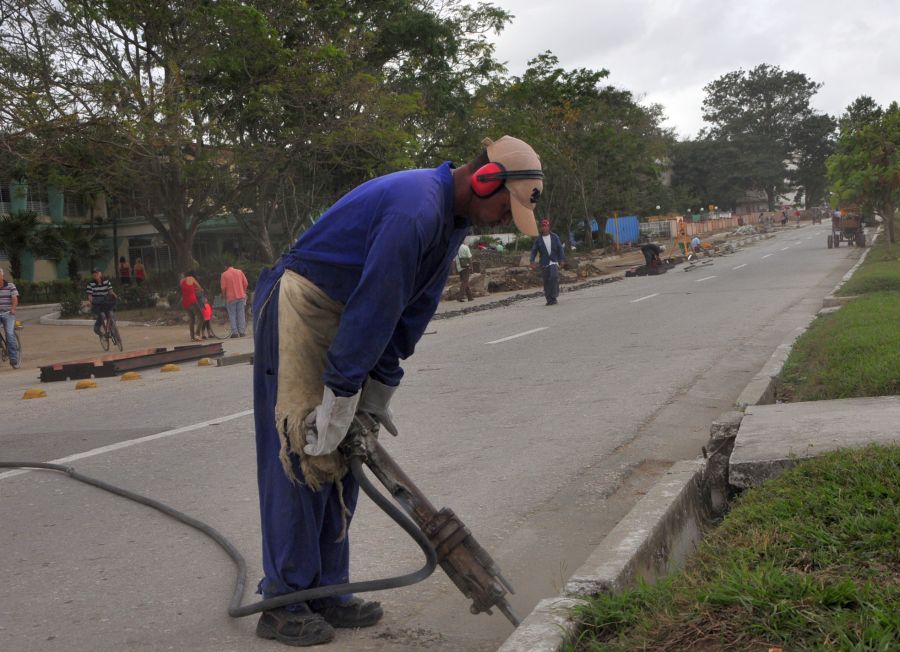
(507, 610)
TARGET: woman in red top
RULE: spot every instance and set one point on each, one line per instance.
(189, 289)
(139, 273)
(124, 271)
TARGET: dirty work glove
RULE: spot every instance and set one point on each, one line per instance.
(327, 425)
(374, 402)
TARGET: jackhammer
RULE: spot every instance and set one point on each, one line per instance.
(441, 535)
(466, 563)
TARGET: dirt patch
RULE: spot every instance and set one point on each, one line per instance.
(44, 345)
(418, 637)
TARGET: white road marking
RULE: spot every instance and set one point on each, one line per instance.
(512, 337)
(785, 248)
(739, 266)
(133, 442)
(705, 278)
(649, 296)
(767, 255)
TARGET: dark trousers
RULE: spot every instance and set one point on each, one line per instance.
(196, 318)
(100, 313)
(300, 527)
(551, 282)
(464, 289)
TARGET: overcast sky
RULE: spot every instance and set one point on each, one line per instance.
(666, 51)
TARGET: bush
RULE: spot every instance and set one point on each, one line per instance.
(487, 241)
(521, 243)
(161, 282)
(135, 296)
(70, 304)
(35, 292)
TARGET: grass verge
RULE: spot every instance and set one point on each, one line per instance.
(808, 561)
(880, 272)
(849, 353)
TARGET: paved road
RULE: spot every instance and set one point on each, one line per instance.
(540, 426)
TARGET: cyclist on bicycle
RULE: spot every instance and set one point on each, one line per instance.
(9, 299)
(101, 297)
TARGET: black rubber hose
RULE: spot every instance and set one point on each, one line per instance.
(235, 610)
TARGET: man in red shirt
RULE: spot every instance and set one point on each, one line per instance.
(234, 289)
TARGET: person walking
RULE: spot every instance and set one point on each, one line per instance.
(333, 319)
(463, 263)
(190, 288)
(9, 300)
(234, 288)
(549, 247)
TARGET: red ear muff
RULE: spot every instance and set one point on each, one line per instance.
(488, 179)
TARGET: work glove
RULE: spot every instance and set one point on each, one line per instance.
(327, 425)
(374, 402)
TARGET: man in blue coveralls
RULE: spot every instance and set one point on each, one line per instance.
(334, 317)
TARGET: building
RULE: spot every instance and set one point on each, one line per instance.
(129, 236)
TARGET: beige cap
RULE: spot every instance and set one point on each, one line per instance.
(523, 178)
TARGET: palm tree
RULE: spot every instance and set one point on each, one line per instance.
(70, 242)
(18, 234)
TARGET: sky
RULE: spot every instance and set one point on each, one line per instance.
(666, 51)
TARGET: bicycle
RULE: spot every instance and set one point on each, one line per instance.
(109, 331)
(4, 346)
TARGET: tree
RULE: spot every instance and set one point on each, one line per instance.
(814, 144)
(761, 112)
(705, 171)
(140, 84)
(865, 169)
(18, 233)
(602, 150)
(70, 242)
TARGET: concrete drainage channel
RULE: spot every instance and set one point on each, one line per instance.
(666, 525)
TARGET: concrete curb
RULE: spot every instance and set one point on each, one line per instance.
(53, 319)
(665, 526)
(237, 358)
(761, 388)
(545, 628)
(659, 532)
(657, 535)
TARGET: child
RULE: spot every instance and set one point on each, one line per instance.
(206, 328)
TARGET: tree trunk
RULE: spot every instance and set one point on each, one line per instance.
(770, 198)
(890, 217)
(589, 238)
(184, 254)
(15, 266)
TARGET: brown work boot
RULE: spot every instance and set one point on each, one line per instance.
(300, 628)
(355, 613)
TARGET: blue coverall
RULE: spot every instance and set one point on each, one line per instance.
(383, 251)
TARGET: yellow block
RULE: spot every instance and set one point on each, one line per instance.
(169, 367)
(34, 393)
(85, 384)
(130, 375)
(203, 362)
